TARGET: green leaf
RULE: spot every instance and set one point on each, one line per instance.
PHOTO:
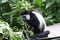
(0, 1)
(49, 4)
(43, 0)
(4, 1)
(38, 2)
(58, 1)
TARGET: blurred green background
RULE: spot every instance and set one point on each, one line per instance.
(10, 9)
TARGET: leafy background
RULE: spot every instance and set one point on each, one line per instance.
(10, 9)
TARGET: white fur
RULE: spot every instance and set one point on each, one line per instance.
(27, 17)
(40, 18)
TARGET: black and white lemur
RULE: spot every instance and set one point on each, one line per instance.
(37, 23)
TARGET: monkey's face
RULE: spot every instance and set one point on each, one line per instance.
(25, 16)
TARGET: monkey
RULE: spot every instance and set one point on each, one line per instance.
(36, 22)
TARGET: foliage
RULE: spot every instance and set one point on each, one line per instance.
(6, 33)
(10, 10)
(50, 9)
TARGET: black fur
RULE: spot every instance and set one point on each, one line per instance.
(34, 24)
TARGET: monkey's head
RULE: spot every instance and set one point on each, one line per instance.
(26, 15)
